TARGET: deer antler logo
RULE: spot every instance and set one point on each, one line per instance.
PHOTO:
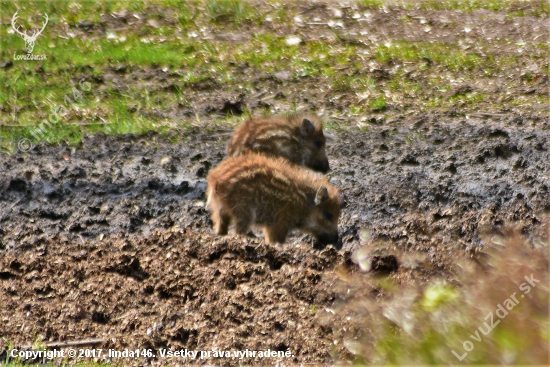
(29, 40)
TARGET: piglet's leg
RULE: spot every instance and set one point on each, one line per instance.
(221, 222)
(243, 219)
(275, 234)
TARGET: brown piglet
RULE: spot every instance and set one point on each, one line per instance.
(298, 138)
(275, 195)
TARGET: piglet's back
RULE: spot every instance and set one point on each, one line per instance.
(297, 138)
(253, 173)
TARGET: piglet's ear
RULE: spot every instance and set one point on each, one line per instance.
(307, 127)
(321, 196)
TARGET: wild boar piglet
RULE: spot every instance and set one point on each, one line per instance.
(275, 195)
(297, 138)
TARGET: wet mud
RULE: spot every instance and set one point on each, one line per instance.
(111, 239)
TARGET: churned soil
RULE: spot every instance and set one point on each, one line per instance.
(111, 239)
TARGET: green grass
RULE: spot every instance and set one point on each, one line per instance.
(378, 104)
(467, 5)
(371, 3)
(510, 7)
(234, 11)
(446, 55)
(126, 103)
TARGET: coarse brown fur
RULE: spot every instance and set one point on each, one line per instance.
(298, 138)
(273, 194)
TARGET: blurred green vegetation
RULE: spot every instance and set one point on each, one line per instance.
(486, 310)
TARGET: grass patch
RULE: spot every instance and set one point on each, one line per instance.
(371, 4)
(379, 104)
(446, 55)
(234, 11)
(467, 5)
(169, 36)
(510, 7)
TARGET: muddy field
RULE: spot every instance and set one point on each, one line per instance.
(111, 239)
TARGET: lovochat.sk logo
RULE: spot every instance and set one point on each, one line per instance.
(29, 39)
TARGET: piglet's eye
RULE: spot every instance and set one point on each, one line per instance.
(328, 216)
(319, 144)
